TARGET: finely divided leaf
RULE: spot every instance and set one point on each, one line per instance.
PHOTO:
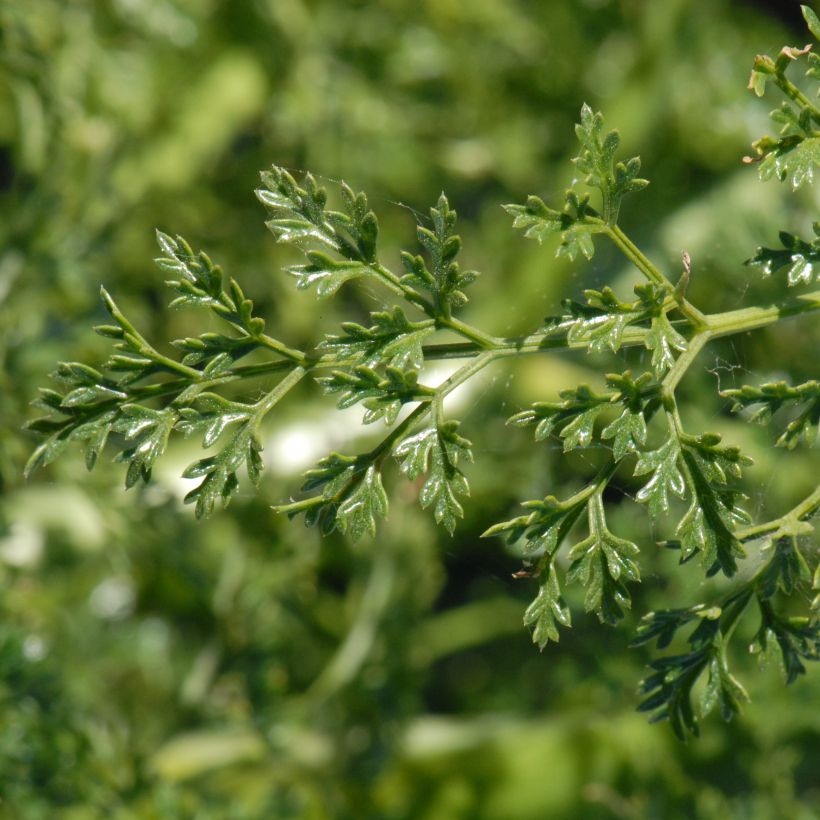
(666, 476)
(219, 472)
(790, 640)
(792, 160)
(443, 279)
(596, 159)
(800, 260)
(149, 429)
(662, 339)
(572, 224)
(356, 515)
(299, 216)
(602, 562)
(548, 610)
(437, 451)
(775, 396)
(722, 688)
(708, 526)
(574, 416)
(628, 432)
(392, 339)
(210, 414)
(382, 395)
(326, 274)
(544, 528)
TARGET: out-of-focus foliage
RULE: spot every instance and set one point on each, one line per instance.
(153, 667)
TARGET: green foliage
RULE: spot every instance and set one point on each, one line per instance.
(666, 476)
(392, 340)
(382, 397)
(97, 403)
(548, 610)
(575, 224)
(437, 452)
(446, 281)
(798, 258)
(357, 512)
(602, 562)
(597, 160)
(775, 396)
(787, 641)
(795, 153)
(143, 401)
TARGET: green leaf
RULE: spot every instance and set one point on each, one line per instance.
(812, 21)
(575, 415)
(662, 339)
(572, 224)
(537, 220)
(668, 691)
(666, 476)
(210, 347)
(628, 432)
(149, 429)
(800, 260)
(707, 526)
(789, 640)
(332, 473)
(444, 279)
(200, 282)
(578, 433)
(382, 396)
(600, 332)
(299, 215)
(596, 160)
(325, 274)
(633, 393)
(91, 395)
(210, 414)
(576, 241)
(437, 451)
(545, 527)
(791, 159)
(601, 563)
(786, 568)
(548, 610)
(722, 688)
(45, 452)
(356, 514)
(664, 624)
(775, 396)
(392, 340)
(718, 462)
(219, 472)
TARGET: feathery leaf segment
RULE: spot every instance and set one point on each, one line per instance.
(688, 481)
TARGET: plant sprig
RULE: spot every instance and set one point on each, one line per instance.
(140, 398)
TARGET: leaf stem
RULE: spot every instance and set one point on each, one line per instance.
(752, 318)
(264, 405)
(393, 282)
(683, 363)
(794, 93)
(468, 331)
(641, 261)
(805, 509)
(635, 255)
(142, 345)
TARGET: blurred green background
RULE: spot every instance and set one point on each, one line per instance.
(155, 667)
